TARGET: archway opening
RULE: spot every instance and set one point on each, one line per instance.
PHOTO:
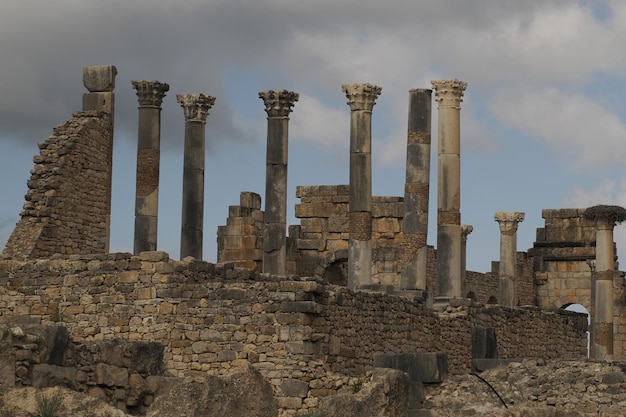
(579, 308)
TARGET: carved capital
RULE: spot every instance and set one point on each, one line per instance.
(195, 106)
(150, 93)
(278, 103)
(508, 220)
(449, 93)
(361, 96)
(466, 229)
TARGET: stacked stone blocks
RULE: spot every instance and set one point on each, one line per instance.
(241, 240)
(67, 203)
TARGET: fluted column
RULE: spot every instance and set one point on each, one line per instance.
(100, 82)
(416, 190)
(466, 230)
(150, 95)
(278, 104)
(508, 222)
(361, 99)
(449, 95)
(196, 108)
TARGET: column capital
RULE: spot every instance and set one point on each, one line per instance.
(508, 220)
(466, 229)
(361, 96)
(605, 217)
(150, 93)
(278, 103)
(449, 93)
(195, 106)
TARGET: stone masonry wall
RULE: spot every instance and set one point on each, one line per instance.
(68, 198)
(563, 253)
(302, 335)
(323, 231)
(241, 240)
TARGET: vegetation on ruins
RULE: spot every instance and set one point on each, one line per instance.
(612, 214)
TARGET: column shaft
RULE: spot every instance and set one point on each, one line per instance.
(361, 99)
(416, 191)
(466, 230)
(196, 108)
(449, 95)
(508, 222)
(150, 95)
(100, 82)
(278, 104)
(605, 266)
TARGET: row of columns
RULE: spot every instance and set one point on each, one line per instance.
(150, 95)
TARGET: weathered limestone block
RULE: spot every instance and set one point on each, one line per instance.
(245, 392)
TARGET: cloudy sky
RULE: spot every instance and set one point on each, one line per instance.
(543, 118)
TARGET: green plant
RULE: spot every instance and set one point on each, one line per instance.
(356, 387)
(49, 405)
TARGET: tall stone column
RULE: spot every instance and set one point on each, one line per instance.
(605, 218)
(508, 222)
(100, 82)
(449, 94)
(278, 104)
(150, 95)
(196, 108)
(416, 190)
(466, 230)
(361, 99)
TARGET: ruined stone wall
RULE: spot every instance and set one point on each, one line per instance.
(561, 254)
(298, 333)
(68, 199)
(124, 373)
(323, 231)
(241, 240)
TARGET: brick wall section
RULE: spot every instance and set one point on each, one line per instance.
(241, 240)
(69, 192)
(214, 317)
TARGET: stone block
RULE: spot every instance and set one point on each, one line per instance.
(45, 375)
(310, 307)
(110, 375)
(428, 367)
(294, 388)
(250, 200)
(99, 78)
(154, 256)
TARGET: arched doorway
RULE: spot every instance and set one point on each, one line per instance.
(579, 308)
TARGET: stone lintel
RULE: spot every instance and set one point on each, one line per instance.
(195, 106)
(150, 93)
(99, 79)
(449, 93)
(361, 96)
(278, 103)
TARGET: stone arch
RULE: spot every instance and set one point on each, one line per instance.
(492, 300)
(333, 268)
(471, 295)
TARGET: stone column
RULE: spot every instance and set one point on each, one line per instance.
(196, 108)
(508, 222)
(150, 95)
(603, 298)
(416, 189)
(449, 94)
(361, 99)
(466, 230)
(278, 104)
(100, 82)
